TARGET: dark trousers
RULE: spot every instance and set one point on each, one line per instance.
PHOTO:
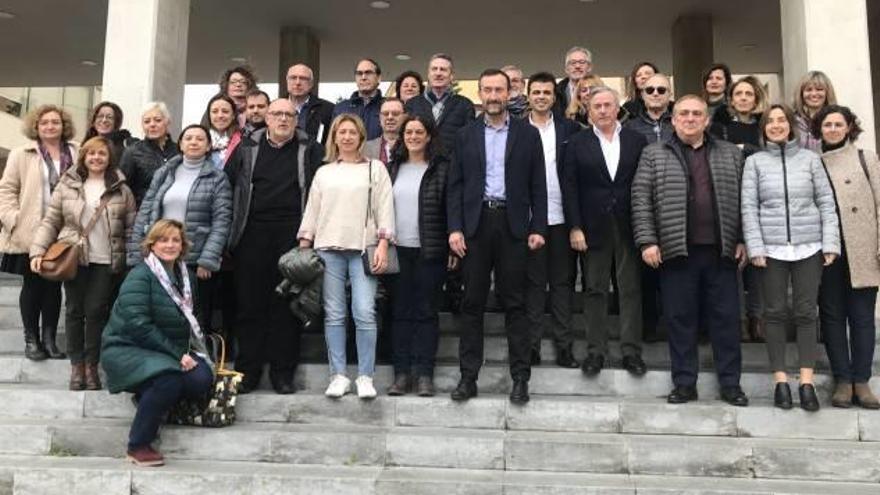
(88, 307)
(702, 279)
(156, 396)
(805, 276)
(206, 297)
(839, 302)
(553, 264)
(267, 330)
(494, 247)
(650, 301)
(617, 251)
(39, 297)
(415, 327)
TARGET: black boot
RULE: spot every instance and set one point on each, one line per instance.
(33, 350)
(49, 334)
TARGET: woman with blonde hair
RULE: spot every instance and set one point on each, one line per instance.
(577, 109)
(140, 160)
(813, 93)
(91, 205)
(350, 207)
(153, 345)
(31, 174)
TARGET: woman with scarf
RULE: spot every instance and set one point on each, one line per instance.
(30, 176)
(91, 205)
(221, 119)
(153, 345)
(106, 121)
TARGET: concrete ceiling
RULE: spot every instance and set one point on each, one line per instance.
(45, 43)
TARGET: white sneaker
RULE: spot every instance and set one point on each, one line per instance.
(339, 386)
(365, 387)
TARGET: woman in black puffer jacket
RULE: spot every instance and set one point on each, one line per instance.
(419, 176)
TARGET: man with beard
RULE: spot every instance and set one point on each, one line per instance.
(255, 111)
(578, 65)
(497, 212)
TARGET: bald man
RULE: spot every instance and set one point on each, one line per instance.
(270, 175)
(314, 113)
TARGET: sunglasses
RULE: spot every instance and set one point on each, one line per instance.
(661, 90)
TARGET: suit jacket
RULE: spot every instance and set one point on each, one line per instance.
(590, 196)
(524, 180)
(315, 113)
(562, 98)
(457, 113)
(565, 130)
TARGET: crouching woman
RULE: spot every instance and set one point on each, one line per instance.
(153, 346)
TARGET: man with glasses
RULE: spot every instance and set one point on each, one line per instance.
(270, 175)
(391, 116)
(578, 65)
(518, 104)
(366, 101)
(314, 114)
(686, 222)
(449, 111)
(655, 120)
(600, 164)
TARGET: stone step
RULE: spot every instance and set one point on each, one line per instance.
(656, 354)
(66, 475)
(547, 379)
(493, 412)
(422, 447)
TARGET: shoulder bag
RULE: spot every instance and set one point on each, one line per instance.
(61, 259)
(369, 251)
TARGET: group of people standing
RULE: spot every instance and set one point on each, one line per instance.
(659, 196)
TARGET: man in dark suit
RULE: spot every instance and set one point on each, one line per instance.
(554, 262)
(313, 113)
(449, 111)
(578, 65)
(600, 164)
(497, 212)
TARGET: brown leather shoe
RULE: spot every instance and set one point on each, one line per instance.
(77, 376)
(400, 385)
(425, 386)
(93, 381)
(145, 457)
(843, 394)
(865, 397)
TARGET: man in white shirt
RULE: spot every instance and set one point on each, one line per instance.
(600, 164)
(554, 262)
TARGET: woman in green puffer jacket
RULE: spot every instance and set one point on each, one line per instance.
(153, 345)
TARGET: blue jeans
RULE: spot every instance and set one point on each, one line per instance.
(159, 394)
(340, 266)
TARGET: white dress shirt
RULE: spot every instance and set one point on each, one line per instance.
(610, 149)
(555, 215)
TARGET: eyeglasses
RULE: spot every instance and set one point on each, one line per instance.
(237, 81)
(391, 114)
(283, 115)
(364, 73)
(661, 90)
(299, 78)
(577, 62)
(108, 117)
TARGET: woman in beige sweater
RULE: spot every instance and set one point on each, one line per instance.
(350, 206)
(849, 287)
(31, 174)
(75, 202)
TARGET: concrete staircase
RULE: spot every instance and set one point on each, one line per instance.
(613, 434)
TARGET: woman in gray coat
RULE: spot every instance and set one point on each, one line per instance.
(791, 231)
(191, 190)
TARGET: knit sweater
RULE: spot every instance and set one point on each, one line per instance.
(337, 206)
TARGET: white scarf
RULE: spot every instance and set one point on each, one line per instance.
(183, 300)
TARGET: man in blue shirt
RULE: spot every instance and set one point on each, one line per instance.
(497, 212)
(366, 101)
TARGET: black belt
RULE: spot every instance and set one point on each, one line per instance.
(494, 204)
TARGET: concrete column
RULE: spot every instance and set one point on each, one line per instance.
(299, 45)
(145, 57)
(693, 49)
(831, 36)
